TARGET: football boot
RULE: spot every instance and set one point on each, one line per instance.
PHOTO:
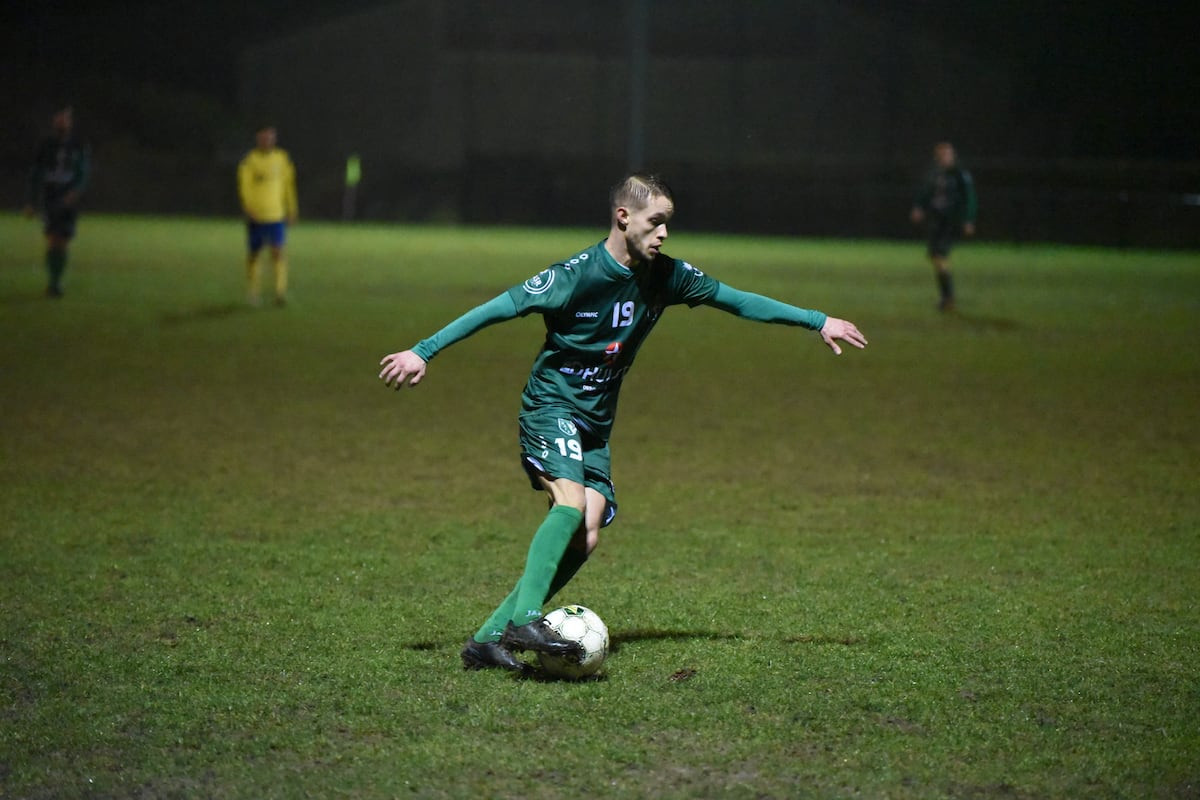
(486, 655)
(540, 638)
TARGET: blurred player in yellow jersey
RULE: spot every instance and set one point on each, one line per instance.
(267, 188)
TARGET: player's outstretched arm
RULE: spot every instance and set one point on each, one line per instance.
(835, 328)
(399, 368)
(766, 309)
(409, 366)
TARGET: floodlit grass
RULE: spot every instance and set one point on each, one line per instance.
(962, 563)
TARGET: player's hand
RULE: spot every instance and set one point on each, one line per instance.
(399, 368)
(28, 212)
(968, 229)
(916, 215)
(835, 328)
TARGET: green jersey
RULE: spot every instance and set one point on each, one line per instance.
(948, 194)
(597, 314)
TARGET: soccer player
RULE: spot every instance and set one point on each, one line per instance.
(946, 201)
(267, 188)
(57, 181)
(599, 305)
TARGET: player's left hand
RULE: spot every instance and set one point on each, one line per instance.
(835, 328)
(399, 368)
(968, 229)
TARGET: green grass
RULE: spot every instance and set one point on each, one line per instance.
(962, 563)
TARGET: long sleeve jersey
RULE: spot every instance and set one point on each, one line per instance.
(597, 314)
(60, 166)
(948, 193)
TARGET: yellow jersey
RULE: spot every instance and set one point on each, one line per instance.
(267, 186)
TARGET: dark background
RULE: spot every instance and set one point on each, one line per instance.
(1104, 96)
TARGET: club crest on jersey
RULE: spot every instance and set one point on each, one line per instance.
(611, 352)
(540, 283)
(567, 427)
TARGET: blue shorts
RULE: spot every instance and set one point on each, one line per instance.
(260, 233)
(554, 446)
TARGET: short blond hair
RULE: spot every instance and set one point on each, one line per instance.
(636, 191)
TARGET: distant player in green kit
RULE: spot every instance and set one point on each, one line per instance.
(945, 201)
(598, 305)
(57, 181)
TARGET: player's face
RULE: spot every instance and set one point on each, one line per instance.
(943, 154)
(265, 139)
(62, 122)
(646, 228)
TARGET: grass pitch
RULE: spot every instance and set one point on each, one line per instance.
(962, 563)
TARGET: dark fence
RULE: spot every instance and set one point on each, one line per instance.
(1098, 203)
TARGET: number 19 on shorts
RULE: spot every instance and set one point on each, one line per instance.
(570, 448)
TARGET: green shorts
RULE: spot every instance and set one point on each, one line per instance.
(554, 446)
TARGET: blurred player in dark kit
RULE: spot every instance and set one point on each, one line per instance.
(59, 176)
(946, 202)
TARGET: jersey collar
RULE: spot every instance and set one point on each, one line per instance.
(611, 266)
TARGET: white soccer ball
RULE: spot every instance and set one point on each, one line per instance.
(577, 624)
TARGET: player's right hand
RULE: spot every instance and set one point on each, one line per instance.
(400, 368)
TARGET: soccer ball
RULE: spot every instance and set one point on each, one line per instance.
(577, 624)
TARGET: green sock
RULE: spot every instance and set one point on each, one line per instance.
(56, 265)
(545, 553)
(572, 560)
(946, 285)
(493, 629)
(568, 564)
